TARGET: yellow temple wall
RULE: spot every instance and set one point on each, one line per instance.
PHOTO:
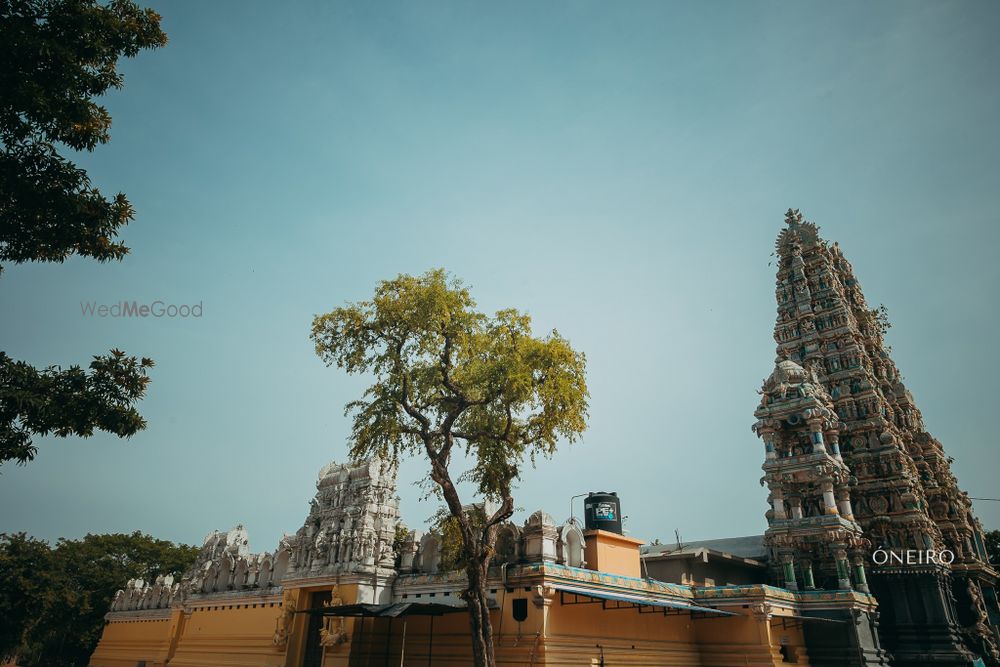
(612, 553)
(571, 634)
(748, 641)
(381, 641)
(239, 634)
(128, 641)
(578, 634)
(236, 634)
(791, 636)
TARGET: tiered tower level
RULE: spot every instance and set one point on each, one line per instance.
(888, 475)
(811, 531)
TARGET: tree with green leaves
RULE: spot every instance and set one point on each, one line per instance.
(68, 402)
(450, 531)
(53, 600)
(56, 58)
(26, 568)
(449, 378)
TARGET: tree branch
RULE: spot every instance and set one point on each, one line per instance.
(439, 473)
(505, 511)
(470, 435)
(425, 422)
(446, 432)
(510, 422)
(446, 369)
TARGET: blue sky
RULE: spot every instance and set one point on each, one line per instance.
(617, 170)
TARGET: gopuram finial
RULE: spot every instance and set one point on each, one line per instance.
(793, 218)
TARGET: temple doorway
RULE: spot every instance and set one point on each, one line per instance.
(313, 656)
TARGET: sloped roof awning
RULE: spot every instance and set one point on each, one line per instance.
(394, 610)
(818, 619)
(640, 600)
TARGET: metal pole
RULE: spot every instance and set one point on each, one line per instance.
(430, 640)
(361, 641)
(388, 642)
(579, 495)
(402, 646)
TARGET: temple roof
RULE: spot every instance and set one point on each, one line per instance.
(788, 372)
(750, 546)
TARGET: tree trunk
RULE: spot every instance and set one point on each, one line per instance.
(478, 552)
(479, 615)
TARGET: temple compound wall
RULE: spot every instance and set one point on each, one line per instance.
(346, 590)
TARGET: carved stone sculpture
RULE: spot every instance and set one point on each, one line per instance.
(351, 524)
(333, 632)
(283, 626)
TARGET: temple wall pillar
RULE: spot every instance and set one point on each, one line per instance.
(844, 504)
(816, 436)
(778, 504)
(788, 569)
(860, 577)
(843, 569)
(829, 502)
(834, 439)
(768, 437)
(807, 575)
(796, 504)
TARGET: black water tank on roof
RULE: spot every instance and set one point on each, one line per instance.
(603, 511)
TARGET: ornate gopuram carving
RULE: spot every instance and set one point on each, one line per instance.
(350, 528)
(814, 539)
(886, 470)
(138, 594)
(225, 565)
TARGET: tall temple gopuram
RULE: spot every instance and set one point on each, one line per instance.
(861, 495)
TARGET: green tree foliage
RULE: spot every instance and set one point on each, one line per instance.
(27, 566)
(447, 526)
(448, 376)
(53, 600)
(56, 57)
(400, 537)
(68, 402)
